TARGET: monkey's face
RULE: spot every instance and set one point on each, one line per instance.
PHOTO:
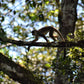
(34, 32)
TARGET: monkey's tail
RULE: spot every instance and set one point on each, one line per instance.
(60, 35)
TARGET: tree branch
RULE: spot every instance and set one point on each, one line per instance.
(17, 72)
(5, 45)
(81, 5)
(44, 44)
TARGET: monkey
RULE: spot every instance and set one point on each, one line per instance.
(44, 30)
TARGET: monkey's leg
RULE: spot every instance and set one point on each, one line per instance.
(51, 35)
(45, 38)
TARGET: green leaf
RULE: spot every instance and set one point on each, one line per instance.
(47, 65)
(47, 2)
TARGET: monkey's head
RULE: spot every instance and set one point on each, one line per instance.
(34, 32)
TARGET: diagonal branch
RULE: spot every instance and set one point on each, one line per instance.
(17, 72)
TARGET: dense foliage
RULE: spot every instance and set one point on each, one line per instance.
(18, 18)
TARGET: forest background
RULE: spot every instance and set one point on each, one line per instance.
(17, 19)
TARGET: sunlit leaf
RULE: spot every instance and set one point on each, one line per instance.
(47, 65)
(47, 2)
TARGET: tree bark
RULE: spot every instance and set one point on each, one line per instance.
(17, 72)
(42, 44)
(67, 18)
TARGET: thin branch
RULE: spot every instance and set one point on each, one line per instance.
(5, 45)
(81, 5)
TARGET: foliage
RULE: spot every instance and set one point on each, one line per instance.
(18, 18)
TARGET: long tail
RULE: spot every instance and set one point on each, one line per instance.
(59, 34)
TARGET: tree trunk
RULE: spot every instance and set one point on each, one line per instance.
(67, 18)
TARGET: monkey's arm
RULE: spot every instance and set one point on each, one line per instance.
(36, 38)
(45, 38)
